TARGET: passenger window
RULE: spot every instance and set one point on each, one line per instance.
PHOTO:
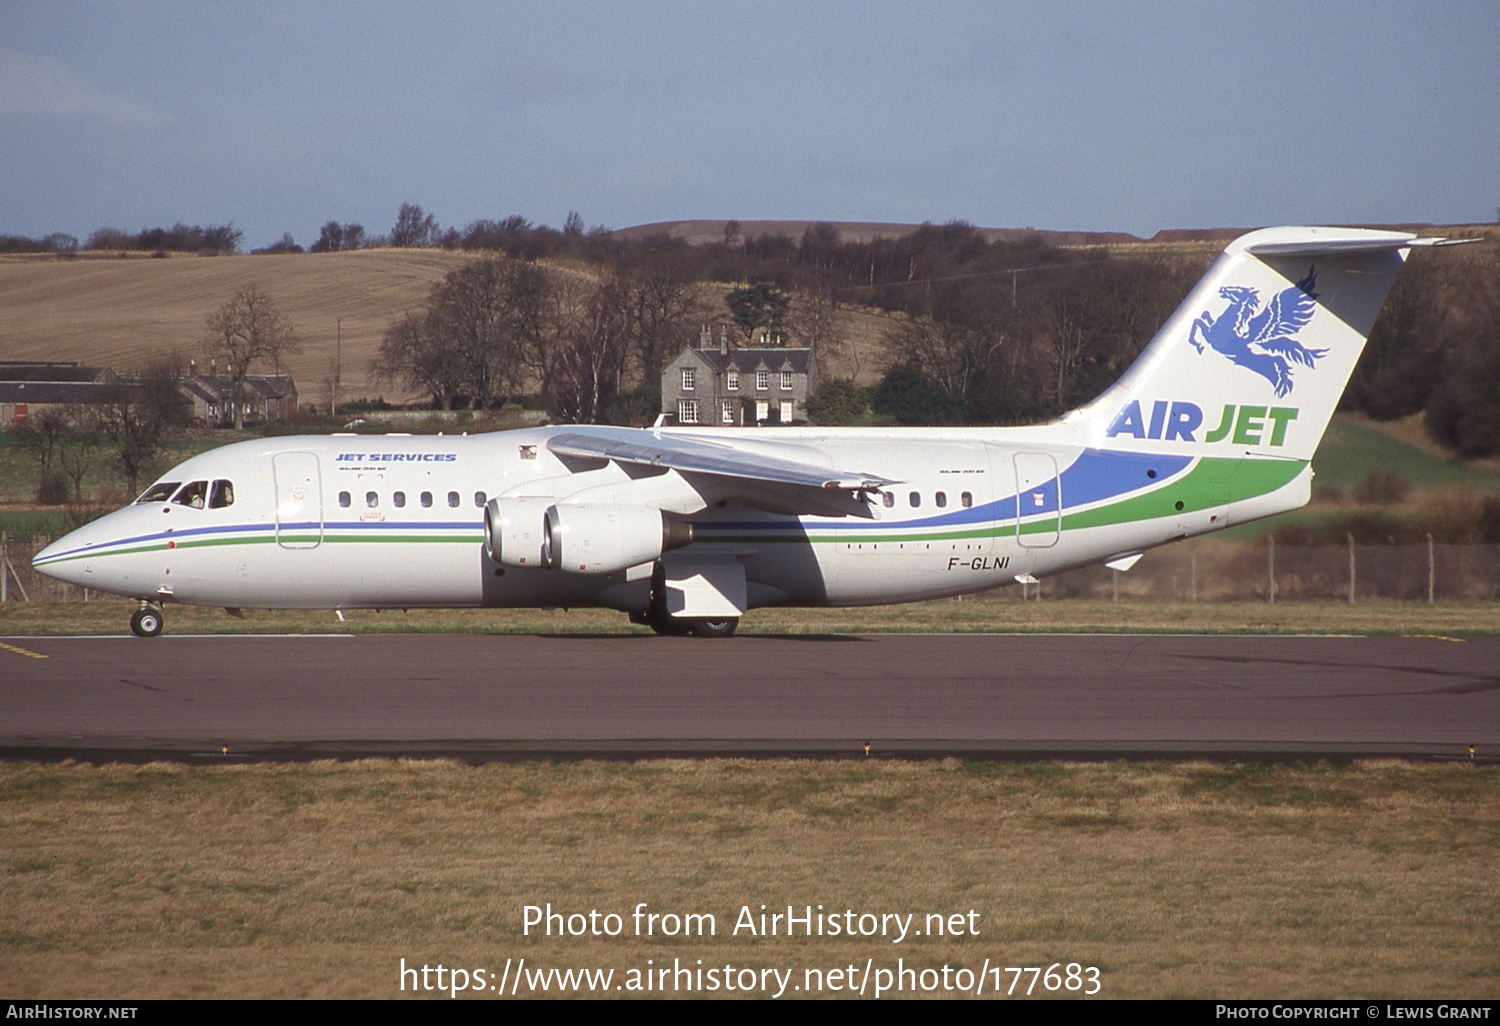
(372, 500)
(159, 492)
(453, 500)
(479, 499)
(399, 500)
(916, 499)
(192, 494)
(426, 500)
(967, 498)
(941, 498)
(221, 494)
(344, 499)
(889, 498)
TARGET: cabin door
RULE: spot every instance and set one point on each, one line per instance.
(1038, 500)
(299, 500)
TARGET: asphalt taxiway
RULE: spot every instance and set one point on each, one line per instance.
(569, 696)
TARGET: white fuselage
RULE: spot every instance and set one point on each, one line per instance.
(358, 521)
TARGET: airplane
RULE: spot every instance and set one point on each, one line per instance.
(685, 529)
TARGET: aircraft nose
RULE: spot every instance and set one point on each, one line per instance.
(64, 558)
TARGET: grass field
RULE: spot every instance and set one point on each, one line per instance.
(1173, 880)
(1004, 615)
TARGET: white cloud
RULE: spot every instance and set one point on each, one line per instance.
(30, 84)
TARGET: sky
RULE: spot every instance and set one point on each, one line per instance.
(1069, 116)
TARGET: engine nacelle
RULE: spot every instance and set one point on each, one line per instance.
(515, 531)
(603, 539)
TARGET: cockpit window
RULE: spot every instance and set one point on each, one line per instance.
(159, 492)
(192, 494)
(221, 494)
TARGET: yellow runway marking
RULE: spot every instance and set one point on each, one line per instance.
(1434, 637)
(22, 651)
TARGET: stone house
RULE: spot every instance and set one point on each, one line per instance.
(738, 387)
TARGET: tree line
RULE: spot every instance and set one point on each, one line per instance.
(982, 333)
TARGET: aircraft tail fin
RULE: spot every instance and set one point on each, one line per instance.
(1256, 358)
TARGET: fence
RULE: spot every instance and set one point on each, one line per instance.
(1199, 571)
(1214, 571)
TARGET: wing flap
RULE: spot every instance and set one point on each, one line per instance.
(698, 457)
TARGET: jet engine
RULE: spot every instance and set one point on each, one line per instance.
(603, 539)
(515, 531)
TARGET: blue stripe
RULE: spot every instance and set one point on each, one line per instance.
(1095, 476)
(102, 548)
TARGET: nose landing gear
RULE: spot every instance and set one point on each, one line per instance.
(147, 621)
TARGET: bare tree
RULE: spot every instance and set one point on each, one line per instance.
(412, 354)
(79, 446)
(136, 415)
(40, 438)
(585, 360)
(951, 356)
(244, 331)
(414, 228)
(484, 331)
(665, 311)
(336, 238)
(820, 324)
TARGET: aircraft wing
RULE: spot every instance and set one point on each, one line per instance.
(694, 456)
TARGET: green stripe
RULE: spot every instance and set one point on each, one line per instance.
(1215, 481)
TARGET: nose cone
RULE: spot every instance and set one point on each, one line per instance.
(64, 559)
(72, 557)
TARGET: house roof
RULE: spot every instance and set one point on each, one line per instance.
(216, 388)
(45, 392)
(747, 361)
(59, 370)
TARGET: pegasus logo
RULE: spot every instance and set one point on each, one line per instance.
(1261, 341)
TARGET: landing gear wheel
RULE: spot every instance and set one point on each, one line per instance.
(146, 623)
(715, 628)
(667, 625)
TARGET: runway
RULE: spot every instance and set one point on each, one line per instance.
(553, 696)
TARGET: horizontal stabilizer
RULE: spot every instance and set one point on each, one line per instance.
(1345, 247)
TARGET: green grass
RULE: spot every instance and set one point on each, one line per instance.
(972, 615)
(1351, 451)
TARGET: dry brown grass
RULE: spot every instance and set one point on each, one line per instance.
(122, 313)
(1175, 880)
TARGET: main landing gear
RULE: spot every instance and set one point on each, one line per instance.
(723, 627)
(659, 620)
(147, 621)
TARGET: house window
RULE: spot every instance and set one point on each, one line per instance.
(726, 411)
(689, 378)
(687, 411)
(732, 381)
(762, 380)
(786, 381)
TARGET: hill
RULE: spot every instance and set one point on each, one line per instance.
(702, 232)
(123, 312)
